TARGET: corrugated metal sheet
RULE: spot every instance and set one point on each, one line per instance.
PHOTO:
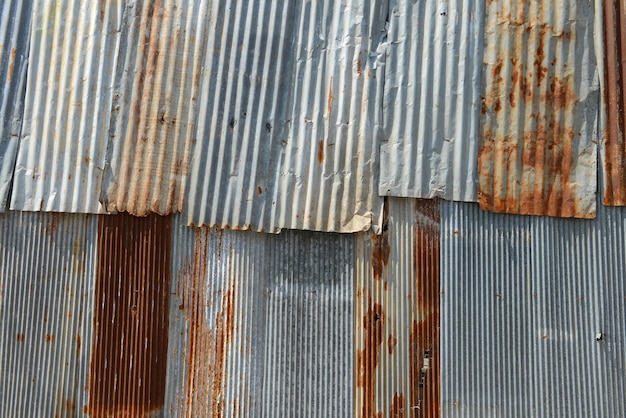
(46, 296)
(540, 109)
(432, 99)
(153, 120)
(525, 300)
(397, 314)
(261, 325)
(14, 36)
(290, 110)
(614, 148)
(73, 50)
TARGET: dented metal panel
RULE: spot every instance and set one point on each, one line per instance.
(289, 115)
(537, 153)
(73, 50)
(260, 325)
(432, 99)
(14, 37)
(153, 120)
(397, 314)
(533, 314)
(614, 89)
(47, 266)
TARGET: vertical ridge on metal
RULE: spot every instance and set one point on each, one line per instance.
(397, 313)
(540, 110)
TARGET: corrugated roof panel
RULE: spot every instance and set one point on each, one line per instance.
(289, 115)
(432, 99)
(614, 149)
(153, 120)
(73, 50)
(537, 153)
(533, 314)
(397, 313)
(261, 325)
(14, 37)
(46, 282)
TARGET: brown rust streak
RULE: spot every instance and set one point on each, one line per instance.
(320, 151)
(424, 339)
(368, 358)
(330, 97)
(224, 328)
(398, 406)
(128, 366)
(11, 65)
(391, 343)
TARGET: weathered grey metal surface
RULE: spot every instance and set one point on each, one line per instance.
(524, 302)
(260, 325)
(289, 115)
(47, 264)
(155, 99)
(73, 51)
(432, 99)
(14, 36)
(538, 149)
(397, 314)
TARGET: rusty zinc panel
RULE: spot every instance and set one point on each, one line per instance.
(14, 37)
(260, 325)
(537, 152)
(155, 99)
(533, 314)
(47, 264)
(289, 115)
(432, 99)
(397, 314)
(614, 148)
(73, 49)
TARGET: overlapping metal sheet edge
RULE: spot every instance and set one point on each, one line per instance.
(289, 117)
(260, 325)
(14, 38)
(46, 299)
(613, 150)
(432, 99)
(397, 313)
(155, 100)
(537, 151)
(73, 51)
(532, 314)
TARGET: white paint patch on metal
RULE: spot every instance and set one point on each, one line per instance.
(73, 50)
(289, 116)
(533, 314)
(14, 37)
(47, 274)
(432, 99)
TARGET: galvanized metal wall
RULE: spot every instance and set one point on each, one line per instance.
(289, 114)
(15, 19)
(537, 153)
(47, 275)
(397, 314)
(532, 316)
(432, 99)
(260, 325)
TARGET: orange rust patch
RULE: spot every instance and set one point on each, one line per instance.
(11, 65)
(53, 220)
(49, 338)
(368, 358)
(398, 407)
(320, 151)
(70, 405)
(391, 343)
(330, 97)
(128, 366)
(20, 338)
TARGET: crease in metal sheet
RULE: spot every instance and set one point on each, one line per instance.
(289, 116)
(540, 110)
(432, 99)
(154, 109)
(261, 325)
(73, 51)
(46, 302)
(14, 38)
(397, 313)
(533, 314)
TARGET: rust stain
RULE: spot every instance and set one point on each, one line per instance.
(330, 97)
(398, 407)
(128, 366)
(359, 64)
(614, 160)
(259, 190)
(78, 344)
(380, 245)
(49, 338)
(11, 65)
(53, 220)
(70, 405)
(20, 338)
(320, 151)
(368, 358)
(391, 343)
(424, 338)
